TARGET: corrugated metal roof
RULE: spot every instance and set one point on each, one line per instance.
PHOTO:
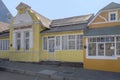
(65, 28)
(71, 20)
(114, 30)
(5, 15)
(112, 5)
(69, 24)
(4, 26)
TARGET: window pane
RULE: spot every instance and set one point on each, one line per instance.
(101, 49)
(0, 45)
(79, 42)
(18, 35)
(58, 43)
(113, 17)
(92, 49)
(45, 43)
(27, 44)
(71, 39)
(118, 48)
(18, 45)
(118, 38)
(64, 43)
(109, 49)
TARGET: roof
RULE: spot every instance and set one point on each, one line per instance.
(43, 20)
(5, 15)
(71, 20)
(112, 5)
(4, 26)
(69, 24)
(114, 30)
(65, 28)
(4, 33)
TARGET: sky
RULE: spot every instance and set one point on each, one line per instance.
(55, 9)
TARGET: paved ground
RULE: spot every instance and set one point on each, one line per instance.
(62, 72)
(14, 76)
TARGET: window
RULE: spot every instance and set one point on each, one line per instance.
(92, 49)
(103, 46)
(45, 43)
(72, 41)
(113, 16)
(79, 42)
(65, 42)
(118, 45)
(58, 43)
(27, 40)
(4, 45)
(18, 41)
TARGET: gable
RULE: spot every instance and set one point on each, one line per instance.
(102, 19)
(22, 20)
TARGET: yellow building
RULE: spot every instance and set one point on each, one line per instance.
(102, 41)
(35, 38)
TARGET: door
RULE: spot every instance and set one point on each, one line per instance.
(51, 48)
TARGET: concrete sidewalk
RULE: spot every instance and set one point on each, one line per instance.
(53, 72)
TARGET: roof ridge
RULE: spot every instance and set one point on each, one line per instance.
(72, 17)
(112, 5)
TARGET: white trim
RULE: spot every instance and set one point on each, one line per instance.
(100, 13)
(103, 18)
(115, 56)
(102, 57)
(109, 16)
(22, 37)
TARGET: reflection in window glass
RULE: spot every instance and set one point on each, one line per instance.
(92, 49)
(101, 49)
(109, 49)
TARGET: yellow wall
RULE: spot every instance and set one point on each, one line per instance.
(63, 55)
(101, 64)
(100, 22)
(33, 54)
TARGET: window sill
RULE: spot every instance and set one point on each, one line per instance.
(104, 57)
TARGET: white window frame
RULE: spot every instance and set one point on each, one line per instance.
(4, 46)
(22, 37)
(109, 17)
(101, 57)
(61, 44)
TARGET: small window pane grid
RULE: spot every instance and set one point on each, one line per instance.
(66, 42)
(4, 45)
(113, 16)
(104, 46)
(26, 40)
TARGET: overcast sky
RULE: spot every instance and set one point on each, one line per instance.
(54, 9)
